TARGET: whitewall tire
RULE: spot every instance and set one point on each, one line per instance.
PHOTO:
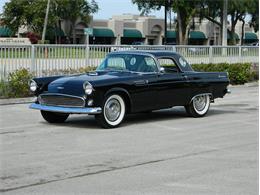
(113, 111)
(199, 105)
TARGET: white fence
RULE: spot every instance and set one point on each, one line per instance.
(44, 60)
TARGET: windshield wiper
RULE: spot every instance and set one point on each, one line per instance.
(116, 70)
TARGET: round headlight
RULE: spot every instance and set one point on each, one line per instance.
(33, 86)
(88, 88)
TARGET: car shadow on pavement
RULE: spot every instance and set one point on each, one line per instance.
(79, 121)
(166, 114)
(159, 115)
(213, 112)
(89, 122)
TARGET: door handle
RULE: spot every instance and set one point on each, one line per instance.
(141, 82)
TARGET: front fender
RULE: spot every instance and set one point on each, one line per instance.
(43, 82)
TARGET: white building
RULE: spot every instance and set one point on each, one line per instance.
(135, 29)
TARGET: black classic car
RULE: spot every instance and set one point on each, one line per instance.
(129, 82)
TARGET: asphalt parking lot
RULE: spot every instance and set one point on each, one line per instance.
(164, 152)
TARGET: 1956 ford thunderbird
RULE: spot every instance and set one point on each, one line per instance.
(129, 82)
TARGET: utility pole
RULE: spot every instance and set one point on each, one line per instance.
(224, 24)
(165, 21)
(45, 21)
(170, 15)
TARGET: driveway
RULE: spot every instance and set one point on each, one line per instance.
(164, 152)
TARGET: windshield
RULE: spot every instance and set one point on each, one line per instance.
(128, 62)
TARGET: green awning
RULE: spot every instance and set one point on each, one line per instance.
(5, 32)
(229, 36)
(103, 32)
(132, 33)
(250, 36)
(193, 35)
(197, 35)
(171, 34)
(52, 32)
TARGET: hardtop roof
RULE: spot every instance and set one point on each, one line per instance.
(156, 53)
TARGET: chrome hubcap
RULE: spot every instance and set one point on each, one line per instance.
(200, 102)
(112, 110)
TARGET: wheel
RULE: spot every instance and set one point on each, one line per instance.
(54, 117)
(113, 111)
(199, 106)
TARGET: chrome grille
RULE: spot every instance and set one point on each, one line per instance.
(61, 100)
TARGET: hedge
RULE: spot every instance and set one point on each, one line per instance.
(17, 84)
(239, 73)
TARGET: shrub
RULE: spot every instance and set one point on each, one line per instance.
(4, 89)
(69, 71)
(18, 83)
(87, 69)
(239, 73)
(34, 38)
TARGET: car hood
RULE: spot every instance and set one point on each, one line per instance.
(73, 85)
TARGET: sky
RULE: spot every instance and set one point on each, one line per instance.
(107, 8)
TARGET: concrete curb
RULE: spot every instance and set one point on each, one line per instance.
(31, 99)
(252, 84)
(16, 101)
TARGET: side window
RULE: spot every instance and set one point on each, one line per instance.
(151, 64)
(184, 64)
(169, 64)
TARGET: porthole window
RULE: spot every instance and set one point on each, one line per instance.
(132, 61)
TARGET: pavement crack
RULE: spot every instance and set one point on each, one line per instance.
(10, 132)
(42, 182)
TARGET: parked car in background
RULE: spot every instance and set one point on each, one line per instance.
(255, 44)
(138, 43)
(171, 43)
(129, 82)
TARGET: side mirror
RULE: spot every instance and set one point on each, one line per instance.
(162, 70)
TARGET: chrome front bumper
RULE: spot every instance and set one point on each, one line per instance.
(68, 110)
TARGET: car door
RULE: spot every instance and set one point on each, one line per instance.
(144, 94)
(172, 85)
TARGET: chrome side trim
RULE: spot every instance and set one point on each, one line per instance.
(210, 94)
(86, 110)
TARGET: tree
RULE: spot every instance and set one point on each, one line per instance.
(145, 6)
(185, 10)
(237, 10)
(212, 11)
(72, 10)
(254, 12)
(242, 19)
(31, 13)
